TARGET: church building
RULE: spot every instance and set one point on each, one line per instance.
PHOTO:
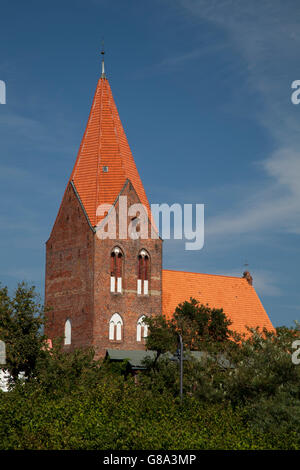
(100, 289)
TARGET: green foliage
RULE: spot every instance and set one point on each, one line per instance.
(199, 324)
(161, 334)
(278, 415)
(200, 327)
(263, 381)
(59, 373)
(263, 367)
(71, 401)
(120, 415)
(21, 321)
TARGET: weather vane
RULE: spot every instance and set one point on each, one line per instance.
(102, 53)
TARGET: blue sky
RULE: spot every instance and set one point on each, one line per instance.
(203, 89)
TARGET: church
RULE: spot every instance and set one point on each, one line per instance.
(98, 290)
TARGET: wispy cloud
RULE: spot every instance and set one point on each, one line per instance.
(266, 35)
(180, 59)
(34, 133)
(274, 206)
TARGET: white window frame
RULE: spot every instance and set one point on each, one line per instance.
(115, 328)
(68, 332)
(143, 285)
(141, 327)
(112, 283)
(116, 283)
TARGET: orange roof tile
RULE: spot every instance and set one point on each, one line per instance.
(235, 295)
(104, 144)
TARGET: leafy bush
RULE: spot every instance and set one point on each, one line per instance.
(70, 401)
(119, 415)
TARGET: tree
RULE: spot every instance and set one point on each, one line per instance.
(200, 326)
(161, 334)
(59, 372)
(21, 321)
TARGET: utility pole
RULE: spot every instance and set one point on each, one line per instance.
(181, 365)
(178, 357)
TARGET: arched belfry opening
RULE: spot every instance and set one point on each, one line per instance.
(143, 273)
(116, 270)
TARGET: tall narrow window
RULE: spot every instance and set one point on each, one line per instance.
(146, 270)
(141, 329)
(143, 273)
(116, 268)
(68, 329)
(116, 328)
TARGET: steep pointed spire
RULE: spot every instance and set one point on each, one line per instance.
(104, 161)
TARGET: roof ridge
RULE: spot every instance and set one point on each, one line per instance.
(205, 274)
(99, 150)
(116, 131)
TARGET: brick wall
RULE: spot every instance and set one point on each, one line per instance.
(69, 273)
(128, 305)
(78, 279)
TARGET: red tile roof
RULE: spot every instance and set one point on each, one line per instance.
(235, 295)
(104, 144)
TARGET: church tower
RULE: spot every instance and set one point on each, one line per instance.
(99, 288)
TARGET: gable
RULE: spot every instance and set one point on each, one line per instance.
(127, 204)
(71, 209)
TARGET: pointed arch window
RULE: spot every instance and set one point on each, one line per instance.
(143, 273)
(116, 270)
(116, 328)
(68, 332)
(141, 329)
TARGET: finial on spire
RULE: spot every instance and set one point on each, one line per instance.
(102, 53)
